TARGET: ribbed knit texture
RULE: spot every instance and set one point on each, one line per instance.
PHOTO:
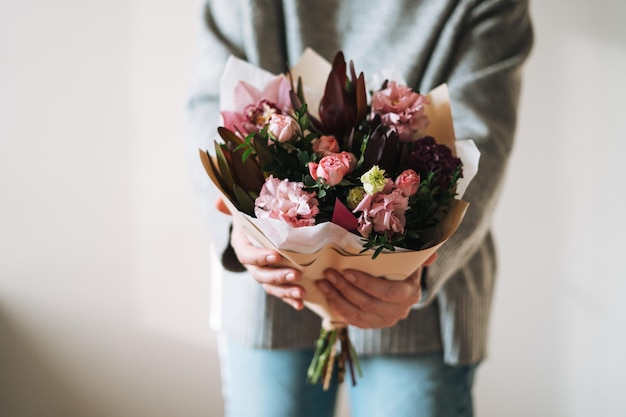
(476, 47)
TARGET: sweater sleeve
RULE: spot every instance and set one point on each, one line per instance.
(492, 41)
(216, 42)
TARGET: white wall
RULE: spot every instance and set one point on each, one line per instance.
(558, 340)
(104, 283)
(103, 270)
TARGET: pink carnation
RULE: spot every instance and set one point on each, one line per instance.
(287, 201)
(382, 212)
(401, 109)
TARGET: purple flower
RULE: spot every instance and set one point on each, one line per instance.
(428, 156)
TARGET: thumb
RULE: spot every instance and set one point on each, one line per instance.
(431, 259)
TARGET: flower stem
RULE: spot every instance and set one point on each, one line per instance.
(323, 363)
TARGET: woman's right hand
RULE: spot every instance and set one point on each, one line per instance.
(262, 264)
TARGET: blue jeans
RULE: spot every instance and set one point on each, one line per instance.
(272, 383)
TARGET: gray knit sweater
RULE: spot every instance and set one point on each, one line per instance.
(477, 47)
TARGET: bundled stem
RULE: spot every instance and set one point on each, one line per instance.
(326, 355)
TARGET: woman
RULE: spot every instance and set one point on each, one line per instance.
(421, 339)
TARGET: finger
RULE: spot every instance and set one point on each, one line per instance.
(293, 292)
(221, 206)
(358, 308)
(347, 311)
(383, 289)
(274, 276)
(431, 259)
(248, 254)
(296, 304)
(354, 295)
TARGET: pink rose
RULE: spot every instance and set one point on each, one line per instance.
(352, 159)
(282, 127)
(401, 109)
(287, 201)
(332, 168)
(382, 213)
(325, 145)
(408, 182)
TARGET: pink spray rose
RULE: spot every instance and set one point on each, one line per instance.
(287, 201)
(325, 145)
(282, 127)
(408, 182)
(382, 212)
(332, 168)
(401, 109)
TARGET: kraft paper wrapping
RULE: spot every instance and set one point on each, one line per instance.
(315, 248)
(390, 265)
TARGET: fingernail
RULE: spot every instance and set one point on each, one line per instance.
(349, 276)
(331, 277)
(290, 276)
(295, 304)
(270, 258)
(296, 294)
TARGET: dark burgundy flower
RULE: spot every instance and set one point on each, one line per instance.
(344, 103)
(428, 156)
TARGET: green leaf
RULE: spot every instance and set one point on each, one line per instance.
(304, 158)
(246, 154)
(212, 168)
(224, 167)
(230, 138)
(246, 202)
(361, 96)
(263, 152)
(248, 174)
(304, 122)
(309, 181)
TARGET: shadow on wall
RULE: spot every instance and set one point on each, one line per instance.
(28, 387)
(73, 369)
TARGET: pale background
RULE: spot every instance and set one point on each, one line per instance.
(104, 282)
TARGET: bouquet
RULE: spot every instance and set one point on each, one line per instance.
(331, 174)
